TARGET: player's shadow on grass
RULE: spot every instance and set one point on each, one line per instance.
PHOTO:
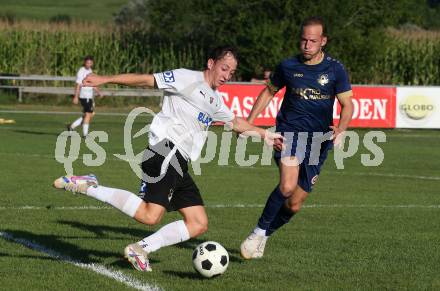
(28, 257)
(36, 132)
(102, 230)
(56, 243)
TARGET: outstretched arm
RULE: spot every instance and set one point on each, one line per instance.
(141, 80)
(262, 101)
(242, 126)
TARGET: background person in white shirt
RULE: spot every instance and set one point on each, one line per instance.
(177, 135)
(84, 94)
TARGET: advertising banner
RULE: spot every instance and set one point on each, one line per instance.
(373, 106)
(241, 97)
(418, 107)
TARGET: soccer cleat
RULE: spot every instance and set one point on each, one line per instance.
(76, 184)
(250, 245)
(260, 250)
(137, 257)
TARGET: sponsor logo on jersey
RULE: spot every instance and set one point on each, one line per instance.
(310, 94)
(323, 79)
(298, 75)
(168, 77)
(204, 118)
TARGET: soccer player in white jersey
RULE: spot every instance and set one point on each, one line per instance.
(177, 135)
(84, 94)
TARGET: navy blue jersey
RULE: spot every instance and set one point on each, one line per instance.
(310, 93)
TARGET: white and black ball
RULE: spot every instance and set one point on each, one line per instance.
(210, 259)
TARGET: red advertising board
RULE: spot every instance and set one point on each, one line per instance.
(241, 97)
(373, 106)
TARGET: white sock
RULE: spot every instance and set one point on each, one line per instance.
(123, 200)
(85, 129)
(76, 123)
(169, 234)
(259, 231)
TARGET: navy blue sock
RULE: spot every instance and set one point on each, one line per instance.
(274, 203)
(283, 216)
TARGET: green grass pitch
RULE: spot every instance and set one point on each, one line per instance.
(363, 228)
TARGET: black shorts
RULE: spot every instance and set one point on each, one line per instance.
(173, 187)
(88, 105)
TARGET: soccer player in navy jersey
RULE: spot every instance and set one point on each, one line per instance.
(313, 80)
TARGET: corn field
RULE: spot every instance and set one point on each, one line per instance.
(60, 52)
(405, 59)
(409, 59)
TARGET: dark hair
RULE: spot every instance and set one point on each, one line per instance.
(220, 52)
(314, 20)
(88, 58)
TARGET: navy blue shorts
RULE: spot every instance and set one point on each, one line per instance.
(311, 153)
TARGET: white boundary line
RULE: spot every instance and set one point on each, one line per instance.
(92, 207)
(97, 268)
(60, 112)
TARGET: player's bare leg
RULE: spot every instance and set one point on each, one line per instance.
(88, 116)
(194, 224)
(295, 202)
(195, 219)
(253, 245)
(127, 202)
(149, 213)
(135, 253)
(144, 212)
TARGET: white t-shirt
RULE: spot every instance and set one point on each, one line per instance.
(189, 107)
(85, 92)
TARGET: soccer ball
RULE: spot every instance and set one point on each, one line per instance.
(210, 259)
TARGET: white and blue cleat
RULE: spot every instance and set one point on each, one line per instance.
(137, 257)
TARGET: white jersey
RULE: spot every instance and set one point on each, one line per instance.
(189, 107)
(85, 92)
